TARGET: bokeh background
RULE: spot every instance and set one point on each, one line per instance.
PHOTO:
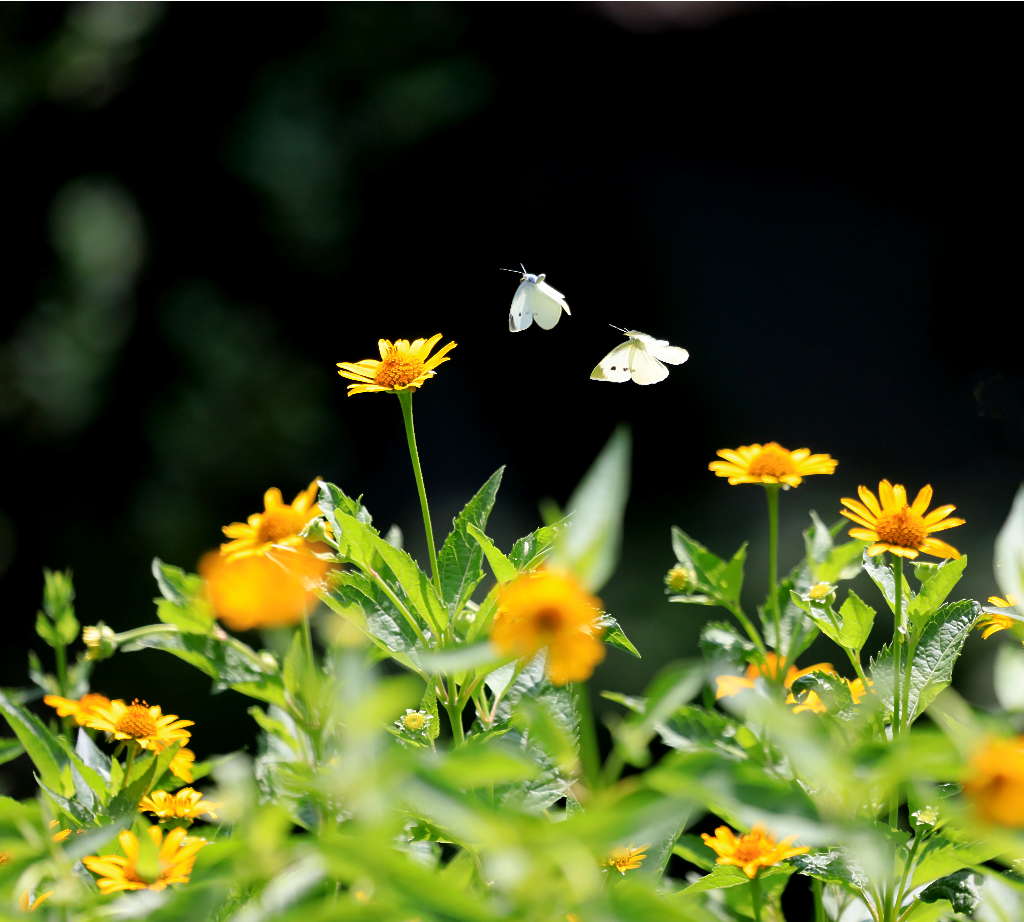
(207, 206)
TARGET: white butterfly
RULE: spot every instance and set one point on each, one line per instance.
(536, 300)
(639, 358)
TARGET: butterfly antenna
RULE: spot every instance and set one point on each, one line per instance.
(503, 269)
(612, 325)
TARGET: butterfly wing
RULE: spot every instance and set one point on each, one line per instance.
(615, 365)
(547, 305)
(521, 314)
(674, 355)
(644, 368)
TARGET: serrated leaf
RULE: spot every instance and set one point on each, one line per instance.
(962, 889)
(832, 867)
(360, 601)
(332, 498)
(936, 583)
(461, 554)
(725, 875)
(882, 576)
(614, 636)
(533, 549)
(503, 569)
(39, 743)
(832, 690)
(721, 642)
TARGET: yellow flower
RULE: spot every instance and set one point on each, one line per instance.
(176, 855)
(26, 902)
(79, 708)
(255, 592)
(820, 591)
(752, 851)
(995, 782)
(680, 578)
(401, 365)
(548, 608)
(993, 622)
(278, 525)
(181, 764)
(895, 525)
(141, 723)
(188, 803)
(61, 834)
(770, 463)
(729, 685)
(628, 858)
(414, 721)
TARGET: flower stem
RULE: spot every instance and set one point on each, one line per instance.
(405, 400)
(819, 906)
(901, 646)
(755, 896)
(771, 492)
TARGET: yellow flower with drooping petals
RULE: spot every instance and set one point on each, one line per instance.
(181, 764)
(993, 622)
(176, 856)
(549, 608)
(402, 365)
(770, 463)
(188, 803)
(628, 858)
(752, 851)
(140, 723)
(28, 903)
(994, 782)
(277, 526)
(262, 591)
(892, 524)
(79, 708)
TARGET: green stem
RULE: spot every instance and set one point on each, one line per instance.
(405, 400)
(61, 655)
(901, 638)
(755, 896)
(819, 906)
(752, 633)
(455, 719)
(771, 492)
(589, 758)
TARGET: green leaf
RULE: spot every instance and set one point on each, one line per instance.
(503, 568)
(722, 644)
(595, 510)
(359, 600)
(332, 499)
(882, 576)
(962, 889)
(796, 630)
(725, 875)
(429, 704)
(39, 743)
(1009, 551)
(183, 603)
(668, 692)
(692, 848)
(460, 556)
(533, 549)
(46, 630)
(479, 765)
(9, 749)
(936, 583)
(718, 582)
(614, 636)
(832, 690)
(857, 620)
(832, 867)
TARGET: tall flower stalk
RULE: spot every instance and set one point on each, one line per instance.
(405, 400)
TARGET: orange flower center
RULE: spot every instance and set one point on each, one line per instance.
(278, 524)
(548, 620)
(395, 372)
(772, 461)
(904, 529)
(137, 722)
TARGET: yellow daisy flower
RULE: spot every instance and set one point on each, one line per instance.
(628, 858)
(729, 685)
(255, 592)
(28, 903)
(993, 622)
(894, 525)
(548, 608)
(181, 764)
(188, 803)
(401, 365)
(176, 856)
(995, 782)
(278, 525)
(79, 708)
(141, 723)
(752, 851)
(770, 463)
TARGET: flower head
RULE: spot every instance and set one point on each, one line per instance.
(100, 641)
(628, 858)
(892, 524)
(995, 782)
(278, 526)
(680, 578)
(770, 463)
(79, 708)
(414, 721)
(141, 723)
(994, 621)
(548, 608)
(181, 764)
(770, 668)
(752, 851)
(260, 591)
(401, 365)
(188, 803)
(176, 856)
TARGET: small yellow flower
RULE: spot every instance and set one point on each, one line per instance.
(770, 463)
(277, 526)
(176, 856)
(628, 858)
(993, 622)
(414, 721)
(27, 903)
(820, 591)
(894, 525)
(141, 723)
(256, 592)
(752, 851)
(995, 782)
(100, 641)
(61, 834)
(188, 803)
(680, 578)
(79, 708)
(548, 608)
(401, 365)
(181, 764)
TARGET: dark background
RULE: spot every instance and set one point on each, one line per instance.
(206, 207)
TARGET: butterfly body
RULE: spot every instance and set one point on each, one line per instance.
(639, 359)
(536, 300)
